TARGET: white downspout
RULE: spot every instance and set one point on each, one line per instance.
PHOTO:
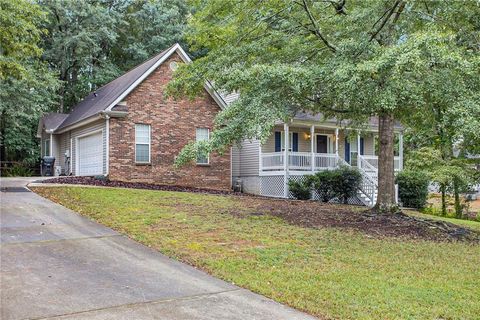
(107, 152)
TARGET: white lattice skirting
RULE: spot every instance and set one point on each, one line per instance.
(273, 186)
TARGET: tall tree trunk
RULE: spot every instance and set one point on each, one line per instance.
(386, 178)
(443, 190)
(458, 205)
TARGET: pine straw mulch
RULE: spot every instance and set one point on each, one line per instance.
(313, 214)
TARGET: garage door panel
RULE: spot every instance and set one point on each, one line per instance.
(90, 154)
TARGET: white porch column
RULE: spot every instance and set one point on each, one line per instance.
(312, 146)
(336, 142)
(400, 151)
(285, 159)
(358, 149)
(50, 153)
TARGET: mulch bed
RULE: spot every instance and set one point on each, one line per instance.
(314, 214)
(92, 181)
(320, 215)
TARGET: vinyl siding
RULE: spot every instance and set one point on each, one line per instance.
(235, 161)
(249, 158)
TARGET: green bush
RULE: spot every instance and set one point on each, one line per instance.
(322, 182)
(301, 190)
(412, 188)
(341, 183)
(18, 170)
(346, 183)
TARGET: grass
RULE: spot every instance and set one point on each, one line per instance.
(327, 272)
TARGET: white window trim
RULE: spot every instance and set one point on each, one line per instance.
(290, 141)
(149, 143)
(46, 142)
(330, 146)
(208, 155)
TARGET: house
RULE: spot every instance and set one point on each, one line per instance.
(130, 131)
(311, 143)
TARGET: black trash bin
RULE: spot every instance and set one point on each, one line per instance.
(47, 166)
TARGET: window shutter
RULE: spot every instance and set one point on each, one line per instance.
(295, 141)
(361, 146)
(347, 150)
(278, 141)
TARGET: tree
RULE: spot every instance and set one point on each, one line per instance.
(26, 86)
(19, 36)
(351, 60)
(148, 27)
(453, 175)
(81, 33)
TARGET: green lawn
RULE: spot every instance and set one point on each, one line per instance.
(327, 272)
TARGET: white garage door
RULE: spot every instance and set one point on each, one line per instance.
(90, 155)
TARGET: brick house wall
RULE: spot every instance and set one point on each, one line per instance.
(173, 125)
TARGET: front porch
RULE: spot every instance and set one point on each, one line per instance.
(316, 148)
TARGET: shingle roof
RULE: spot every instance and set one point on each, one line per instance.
(373, 121)
(103, 97)
(52, 121)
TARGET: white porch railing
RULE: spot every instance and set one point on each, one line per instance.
(298, 161)
(373, 161)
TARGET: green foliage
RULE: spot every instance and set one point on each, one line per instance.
(92, 42)
(341, 183)
(285, 56)
(412, 188)
(18, 170)
(453, 175)
(20, 33)
(347, 182)
(301, 190)
(323, 182)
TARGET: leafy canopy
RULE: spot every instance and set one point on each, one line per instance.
(351, 60)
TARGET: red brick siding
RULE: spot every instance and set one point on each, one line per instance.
(173, 124)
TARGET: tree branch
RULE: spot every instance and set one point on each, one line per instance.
(316, 29)
(385, 20)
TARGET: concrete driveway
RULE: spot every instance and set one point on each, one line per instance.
(56, 264)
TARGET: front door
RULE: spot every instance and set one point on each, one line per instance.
(322, 144)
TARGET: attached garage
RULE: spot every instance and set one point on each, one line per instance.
(90, 154)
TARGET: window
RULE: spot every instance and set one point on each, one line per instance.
(46, 148)
(142, 143)
(202, 134)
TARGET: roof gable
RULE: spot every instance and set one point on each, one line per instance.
(109, 95)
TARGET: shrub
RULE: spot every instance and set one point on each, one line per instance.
(341, 183)
(301, 190)
(322, 182)
(346, 182)
(18, 170)
(412, 188)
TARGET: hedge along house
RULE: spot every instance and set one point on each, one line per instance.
(310, 143)
(130, 131)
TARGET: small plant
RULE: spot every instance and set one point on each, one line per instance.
(18, 170)
(322, 182)
(301, 190)
(341, 183)
(346, 183)
(413, 188)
